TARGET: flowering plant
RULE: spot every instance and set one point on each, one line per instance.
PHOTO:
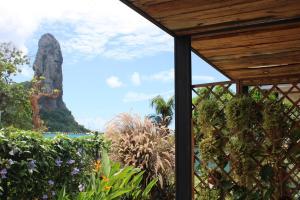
(110, 181)
(34, 167)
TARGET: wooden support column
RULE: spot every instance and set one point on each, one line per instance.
(241, 89)
(183, 119)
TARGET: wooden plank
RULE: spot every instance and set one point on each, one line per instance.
(245, 29)
(213, 84)
(210, 15)
(142, 3)
(248, 39)
(265, 72)
(237, 62)
(162, 9)
(256, 49)
(251, 10)
(183, 119)
(271, 80)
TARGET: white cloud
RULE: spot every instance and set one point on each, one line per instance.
(92, 123)
(136, 79)
(114, 82)
(88, 27)
(135, 96)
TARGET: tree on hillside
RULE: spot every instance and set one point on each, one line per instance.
(36, 93)
(14, 101)
(164, 110)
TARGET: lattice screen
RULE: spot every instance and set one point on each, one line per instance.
(216, 176)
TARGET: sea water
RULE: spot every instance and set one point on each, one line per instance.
(71, 135)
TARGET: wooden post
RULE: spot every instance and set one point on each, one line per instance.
(183, 119)
(1, 118)
(241, 89)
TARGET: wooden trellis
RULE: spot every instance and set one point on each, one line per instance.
(216, 180)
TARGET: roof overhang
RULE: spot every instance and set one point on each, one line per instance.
(243, 39)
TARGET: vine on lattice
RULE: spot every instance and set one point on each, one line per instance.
(247, 146)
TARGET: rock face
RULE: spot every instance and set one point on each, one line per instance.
(48, 63)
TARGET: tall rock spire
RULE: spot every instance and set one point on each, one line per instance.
(48, 63)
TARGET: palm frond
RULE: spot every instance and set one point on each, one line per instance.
(163, 108)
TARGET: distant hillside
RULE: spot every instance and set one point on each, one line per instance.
(61, 120)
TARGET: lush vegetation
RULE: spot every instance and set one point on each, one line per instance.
(245, 139)
(15, 107)
(32, 166)
(110, 181)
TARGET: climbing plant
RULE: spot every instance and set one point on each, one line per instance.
(248, 147)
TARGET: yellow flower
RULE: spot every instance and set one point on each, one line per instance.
(107, 187)
(105, 179)
(97, 165)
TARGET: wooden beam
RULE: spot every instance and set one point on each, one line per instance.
(283, 71)
(274, 26)
(271, 80)
(239, 27)
(236, 62)
(183, 119)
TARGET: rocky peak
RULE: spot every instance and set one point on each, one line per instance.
(48, 63)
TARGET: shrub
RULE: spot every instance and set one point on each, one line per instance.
(142, 144)
(34, 167)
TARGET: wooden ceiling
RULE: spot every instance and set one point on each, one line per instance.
(241, 38)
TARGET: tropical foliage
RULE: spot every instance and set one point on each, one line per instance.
(163, 110)
(142, 144)
(34, 167)
(110, 181)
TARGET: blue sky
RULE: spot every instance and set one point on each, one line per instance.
(114, 60)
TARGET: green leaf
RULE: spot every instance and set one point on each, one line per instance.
(119, 193)
(106, 167)
(149, 187)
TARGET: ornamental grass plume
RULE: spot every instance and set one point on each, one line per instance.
(142, 144)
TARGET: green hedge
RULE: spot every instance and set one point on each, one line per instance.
(34, 167)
